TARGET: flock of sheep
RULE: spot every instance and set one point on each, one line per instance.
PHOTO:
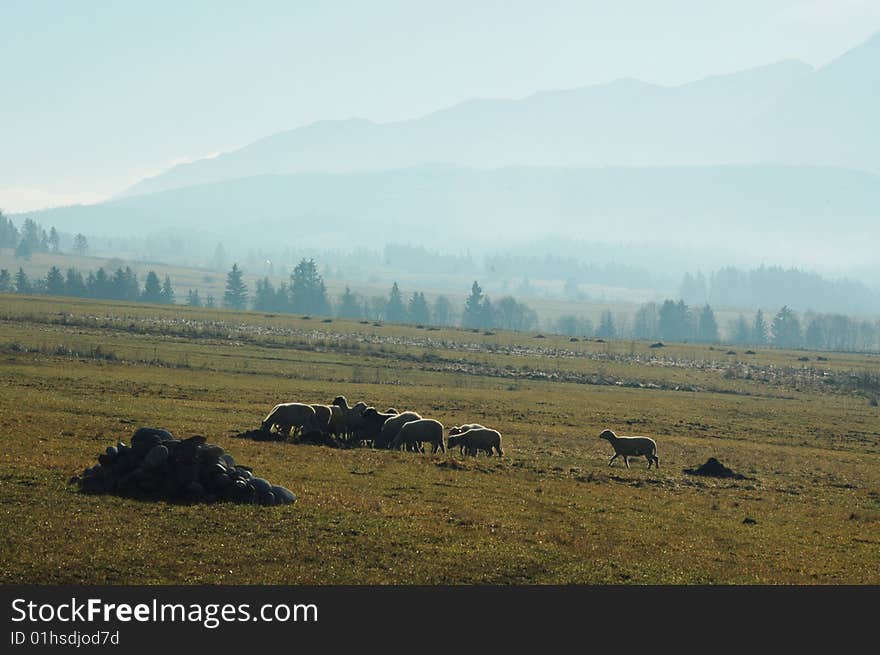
(392, 429)
(388, 429)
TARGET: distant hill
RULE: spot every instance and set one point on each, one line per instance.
(784, 113)
(761, 209)
(623, 123)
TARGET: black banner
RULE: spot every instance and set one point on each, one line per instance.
(227, 619)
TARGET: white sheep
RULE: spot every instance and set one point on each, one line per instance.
(459, 429)
(477, 439)
(415, 433)
(290, 415)
(352, 416)
(631, 447)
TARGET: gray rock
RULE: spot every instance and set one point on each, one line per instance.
(156, 457)
(283, 496)
(262, 486)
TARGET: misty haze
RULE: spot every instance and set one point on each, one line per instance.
(521, 247)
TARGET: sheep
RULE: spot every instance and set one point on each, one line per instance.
(373, 422)
(477, 439)
(419, 431)
(458, 429)
(392, 426)
(391, 410)
(352, 416)
(330, 419)
(631, 447)
(290, 415)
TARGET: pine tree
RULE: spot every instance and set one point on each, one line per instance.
(395, 310)
(474, 308)
(307, 290)
(645, 321)
(264, 296)
(210, 302)
(786, 329)
(74, 285)
(8, 232)
(441, 312)
(193, 299)
(167, 293)
(741, 333)
(419, 313)
(673, 321)
(152, 288)
(707, 326)
(349, 305)
(80, 244)
(759, 329)
(5, 278)
(54, 282)
(54, 240)
(22, 283)
(606, 328)
(814, 337)
(235, 296)
(23, 250)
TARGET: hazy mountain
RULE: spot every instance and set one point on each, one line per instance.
(624, 123)
(831, 114)
(767, 211)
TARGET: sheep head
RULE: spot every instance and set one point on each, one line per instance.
(607, 435)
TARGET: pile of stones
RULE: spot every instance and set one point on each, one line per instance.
(156, 465)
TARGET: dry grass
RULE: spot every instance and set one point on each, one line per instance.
(75, 376)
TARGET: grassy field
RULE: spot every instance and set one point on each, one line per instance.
(77, 376)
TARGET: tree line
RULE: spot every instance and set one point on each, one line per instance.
(774, 286)
(121, 284)
(33, 238)
(306, 293)
(676, 321)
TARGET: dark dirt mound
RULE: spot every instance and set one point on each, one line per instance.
(157, 466)
(715, 469)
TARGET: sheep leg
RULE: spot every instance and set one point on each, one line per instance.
(613, 457)
(626, 460)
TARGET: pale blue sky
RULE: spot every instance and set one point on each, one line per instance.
(97, 94)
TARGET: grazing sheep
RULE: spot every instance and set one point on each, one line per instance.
(352, 416)
(391, 410)
(631, 447)
(373, 422)
(322, 413)
(477, 439)
(392, 426)
(415, 433)
(458, 429)
(298, 416)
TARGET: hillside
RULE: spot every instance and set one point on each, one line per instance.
(766, 209)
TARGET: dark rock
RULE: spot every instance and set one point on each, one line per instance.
(262, 486)
(151, 436)
(156, 456)
(283, 496)
(749, 520)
